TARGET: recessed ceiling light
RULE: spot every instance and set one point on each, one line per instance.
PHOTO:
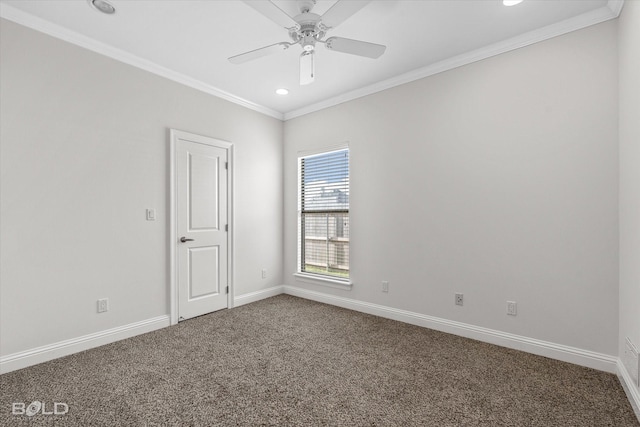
(282, 91)
(511, 2)
(102, 6)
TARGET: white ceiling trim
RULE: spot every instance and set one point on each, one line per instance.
(54, 30)
(605, 13)
(610, 11)
(615, 6)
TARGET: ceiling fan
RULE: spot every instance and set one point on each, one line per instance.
(307, 29)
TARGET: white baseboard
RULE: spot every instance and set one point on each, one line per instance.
(633, 393)
(49, 352)
(257, 295)
(564, 353)
(45, 353)
(590, 359)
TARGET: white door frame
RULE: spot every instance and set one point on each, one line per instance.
(174, 136)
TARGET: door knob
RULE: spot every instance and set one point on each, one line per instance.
(184, 239)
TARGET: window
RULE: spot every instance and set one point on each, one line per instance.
(323, 229)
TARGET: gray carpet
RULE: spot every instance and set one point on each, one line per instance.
(289, 361)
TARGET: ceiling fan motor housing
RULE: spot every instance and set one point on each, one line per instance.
(309, 31)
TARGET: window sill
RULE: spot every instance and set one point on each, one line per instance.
(325, 281)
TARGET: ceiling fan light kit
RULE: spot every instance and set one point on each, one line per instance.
(307, 29)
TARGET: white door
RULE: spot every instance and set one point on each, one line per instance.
(201, 237)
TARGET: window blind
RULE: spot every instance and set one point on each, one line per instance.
(324, 214)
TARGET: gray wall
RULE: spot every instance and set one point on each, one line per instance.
(629, 52)
(498, 179)
(84, 151)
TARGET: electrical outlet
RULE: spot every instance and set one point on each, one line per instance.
(459, 298)
(103, 305)
(385, 286)
(264, 273)
(512, 308)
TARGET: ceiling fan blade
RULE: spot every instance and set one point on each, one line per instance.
(307, 69)
(273, 12)
(355, 47)
(259, 53)
(340, 11)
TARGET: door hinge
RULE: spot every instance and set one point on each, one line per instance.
(226, 227)
(226, 165)
(227, 289)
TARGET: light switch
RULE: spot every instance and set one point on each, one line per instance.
(151, 214)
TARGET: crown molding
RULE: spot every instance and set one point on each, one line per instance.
(610, 11)
(615, 6)
(605, 13)
(15, 15)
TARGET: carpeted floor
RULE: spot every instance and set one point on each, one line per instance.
(292, 362)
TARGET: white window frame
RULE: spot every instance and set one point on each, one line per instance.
(305, 277)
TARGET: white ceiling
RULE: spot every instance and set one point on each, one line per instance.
(190, 41)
